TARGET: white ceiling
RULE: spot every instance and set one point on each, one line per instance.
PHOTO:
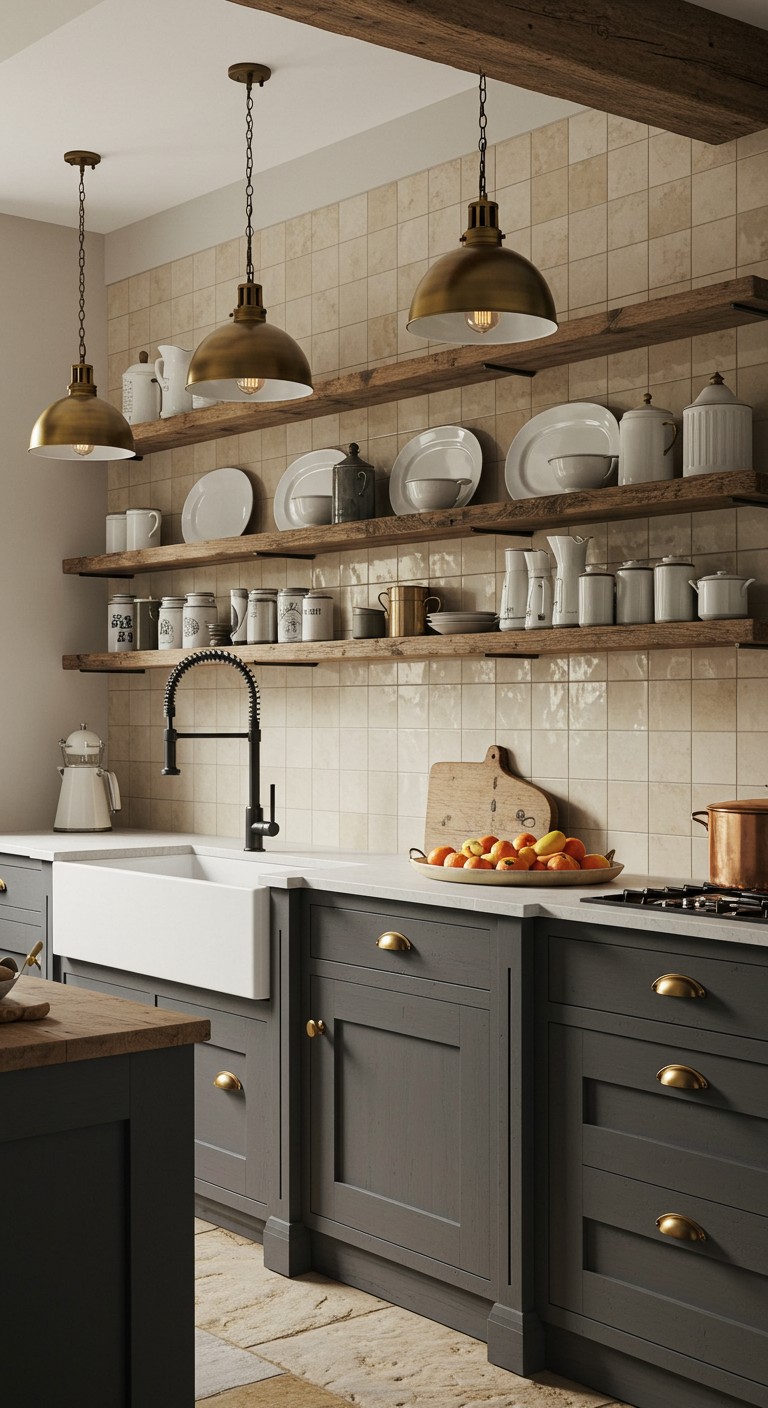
(145, 84)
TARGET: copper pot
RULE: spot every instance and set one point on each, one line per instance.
(738, 843)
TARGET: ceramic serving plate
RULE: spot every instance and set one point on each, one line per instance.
(217, 506)
(309, 475)
(578, 428)
(445, 451)
(460, 876)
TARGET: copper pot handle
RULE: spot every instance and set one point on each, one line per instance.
(695, 817)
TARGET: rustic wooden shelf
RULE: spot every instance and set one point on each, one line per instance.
(523, 516)
(681, 635)
(723, 305)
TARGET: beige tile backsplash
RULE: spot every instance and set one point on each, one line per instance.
(613, 212)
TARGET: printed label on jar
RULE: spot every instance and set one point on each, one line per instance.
(123, 626)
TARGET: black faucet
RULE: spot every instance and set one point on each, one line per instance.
(256, 828)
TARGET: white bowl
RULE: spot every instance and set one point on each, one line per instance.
(434, 493)
(315, 509)
(581, 471)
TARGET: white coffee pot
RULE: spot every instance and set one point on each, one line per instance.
(571, 559)
(171, 370)
(538, 610)
(646, 437)
(141, 392)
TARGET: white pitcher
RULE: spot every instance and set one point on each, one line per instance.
(538, 610)
(571, 558)
(171, 370)
(514, 593)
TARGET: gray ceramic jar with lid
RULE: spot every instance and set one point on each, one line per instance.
(354, 488)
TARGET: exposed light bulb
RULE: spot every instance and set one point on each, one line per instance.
(250, 384)
(83, 449)
(483, 321)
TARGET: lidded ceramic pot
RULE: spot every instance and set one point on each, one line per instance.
(199, 611)
(141, 392)
(646, 437)
(596, 591)
(169, 624)
(717, 431)
(672, 590)
(634, 594)
(262, 615)
(317, 616)
(722, 596)
(121, 622)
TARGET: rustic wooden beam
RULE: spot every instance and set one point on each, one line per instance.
(699, 310)
(696, 494)
(669, 63)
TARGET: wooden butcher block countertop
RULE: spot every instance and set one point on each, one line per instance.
(83, 1026)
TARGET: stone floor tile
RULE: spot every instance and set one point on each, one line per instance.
(201, 1226)
(218, 1366)
(285, 1392)
(395, 1359)
(242, 1302)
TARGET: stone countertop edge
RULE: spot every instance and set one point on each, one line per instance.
(391, 877)
(85, 1026)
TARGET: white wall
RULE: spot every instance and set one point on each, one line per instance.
(48, 510)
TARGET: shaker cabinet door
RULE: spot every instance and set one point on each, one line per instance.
(399, 1120)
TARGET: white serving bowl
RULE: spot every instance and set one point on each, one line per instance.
(581, 471)
(314, 509)
(434, 493)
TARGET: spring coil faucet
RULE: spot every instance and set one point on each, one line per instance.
(256, 828)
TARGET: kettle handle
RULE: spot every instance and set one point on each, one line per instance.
(695, 817)
(674, 434)
(113, 791)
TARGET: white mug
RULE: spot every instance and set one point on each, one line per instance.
(141, 531)
(171, 370)
(116, 530)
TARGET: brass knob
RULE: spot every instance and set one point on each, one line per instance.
(677, 985)
(673, 1224)
(393, 940)
(315, 1028)
(227, 1080)
(3, 887)
(682, 1078)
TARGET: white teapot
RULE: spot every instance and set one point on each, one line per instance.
(171, 370)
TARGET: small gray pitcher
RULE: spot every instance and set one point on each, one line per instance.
(354, 488)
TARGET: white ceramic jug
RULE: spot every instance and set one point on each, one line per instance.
(538, 610)
(514, 593)
(141, 392)
(571, 558)
(171, 370)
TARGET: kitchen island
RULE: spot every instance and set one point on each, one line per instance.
(96, 1172)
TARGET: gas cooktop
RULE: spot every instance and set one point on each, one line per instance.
(713, 901)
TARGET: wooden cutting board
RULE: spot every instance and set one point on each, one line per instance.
(480, 799)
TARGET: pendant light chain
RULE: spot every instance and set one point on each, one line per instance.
(483, 142)
(249, 274)
(81, 236)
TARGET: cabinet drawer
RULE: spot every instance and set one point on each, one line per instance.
(20, 934)
(618, 978)
(24, 887)
(444, 951)
(76, 980)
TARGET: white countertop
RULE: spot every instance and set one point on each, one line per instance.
(391, 877)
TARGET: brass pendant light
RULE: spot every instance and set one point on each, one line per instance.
(482, 293)
(249, 360)
(81, 425)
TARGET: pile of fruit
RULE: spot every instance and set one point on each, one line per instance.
(555, 851)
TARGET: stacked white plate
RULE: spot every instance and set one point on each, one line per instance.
(459, 623)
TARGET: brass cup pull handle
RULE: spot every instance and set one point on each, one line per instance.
(227, 1080)
(3, 887)
(677, 985)
(316, 1028)
(393, 940)
(673, 1224)
(682, 1078)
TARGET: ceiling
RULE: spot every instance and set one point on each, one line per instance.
(145, 84)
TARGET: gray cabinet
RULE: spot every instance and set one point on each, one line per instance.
(25, 909)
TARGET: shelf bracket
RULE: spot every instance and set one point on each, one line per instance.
(742, 501)
(297, 556)
(747, 308)
(513, 371)
(111, 672)
(104, 575)
(508, 655)
(506, 532)
(750, 645)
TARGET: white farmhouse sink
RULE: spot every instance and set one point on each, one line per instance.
(194, 919)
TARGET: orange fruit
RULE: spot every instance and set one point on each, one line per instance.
(439, 855)
(574, 847)
(478, 863)
(526, 838)
(562, 862)
(528, 853)
(502, 849)
(539, 865)
(594, 862)
(455, 860)
(513, 863)
(488, 842)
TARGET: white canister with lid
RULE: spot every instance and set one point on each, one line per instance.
(238, 606)
(121, 622)
(317, 616)
(170, 634)
(141, 392)
(646, 437)
(717, 431)
(634, 594)
(672, 590)
(290, 602)
(262, 615)
(199, 612)
(596, 591)
(722, 596)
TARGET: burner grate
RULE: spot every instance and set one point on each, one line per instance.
(713, 901)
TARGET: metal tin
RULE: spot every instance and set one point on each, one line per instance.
(354, 488)
(199, 610)
(121, 623)
(406, 609)
(290, 601)
(262, 616)
(317, 616)
(147, 614)
(368, 623)
(738, 843)
(596, 592)
(170, 623)
(672, 590)
(634, 594)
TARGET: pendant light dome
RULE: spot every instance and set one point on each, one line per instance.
(482, 293)
(81, 425)
(248, 359)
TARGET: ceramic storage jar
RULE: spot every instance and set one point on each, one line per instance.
(646, 436)
(717, 431)
(672, 591)
(634, 594)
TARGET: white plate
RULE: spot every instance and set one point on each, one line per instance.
(447, 451)
(309, 474)
(515, 877)
(461, 628)
(217, 506)
(579, 428)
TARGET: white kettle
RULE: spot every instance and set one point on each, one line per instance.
(88, 792)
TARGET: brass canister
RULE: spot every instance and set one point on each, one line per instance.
(406, 609)
(738, 843)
